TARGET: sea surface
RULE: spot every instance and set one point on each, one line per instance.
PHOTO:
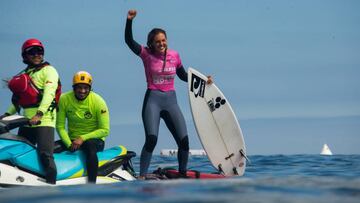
(275, 178)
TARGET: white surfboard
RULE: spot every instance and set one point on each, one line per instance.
(216, 125)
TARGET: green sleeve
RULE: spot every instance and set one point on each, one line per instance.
(102, 113)
(60, 122)
(11, 110)
(50, 84)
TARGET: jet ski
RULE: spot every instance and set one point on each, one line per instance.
(20, 164)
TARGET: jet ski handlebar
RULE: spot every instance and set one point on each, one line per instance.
(11, 122)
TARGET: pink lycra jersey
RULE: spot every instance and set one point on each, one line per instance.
(157, 77)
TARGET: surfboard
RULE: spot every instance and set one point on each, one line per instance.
(217, 126)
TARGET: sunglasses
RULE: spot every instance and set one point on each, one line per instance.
(34, 51)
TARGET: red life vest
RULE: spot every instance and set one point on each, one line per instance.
(26, 94)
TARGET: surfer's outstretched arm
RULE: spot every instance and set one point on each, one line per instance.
(133, 45)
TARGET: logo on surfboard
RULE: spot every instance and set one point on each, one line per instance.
(197, 86)
(215, 103)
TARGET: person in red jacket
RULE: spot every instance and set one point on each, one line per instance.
(41, 113)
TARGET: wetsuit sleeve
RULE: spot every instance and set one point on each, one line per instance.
(103, 119)
(60, 122)
(182, 74)
(133, 45)
(50, 84)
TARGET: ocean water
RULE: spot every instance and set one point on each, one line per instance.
(275, 178)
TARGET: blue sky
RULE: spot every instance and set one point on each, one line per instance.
(289, 68)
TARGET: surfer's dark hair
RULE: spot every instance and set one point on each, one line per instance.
(151, 36)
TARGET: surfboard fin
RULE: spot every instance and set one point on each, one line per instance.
(220, 169)
(244, 155)
(235, 171)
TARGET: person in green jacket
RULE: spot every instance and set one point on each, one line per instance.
(88, 121)
(41, 113)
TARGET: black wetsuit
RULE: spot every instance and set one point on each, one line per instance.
(158, 104)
